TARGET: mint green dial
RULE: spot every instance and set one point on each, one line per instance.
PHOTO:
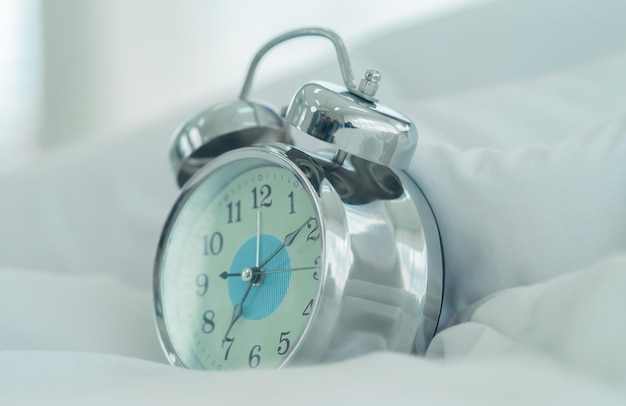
(240, 271)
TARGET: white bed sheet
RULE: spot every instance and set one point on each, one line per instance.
(522, 156)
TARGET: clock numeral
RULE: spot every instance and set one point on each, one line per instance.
(208, 324)
(314, 234)
(254, 359)
(234, 212)
(230, 342)
(283, 347)
(264, 193)
(202, 282)
(316, 274)
(308, 308)
(214, 244)
(293, 210)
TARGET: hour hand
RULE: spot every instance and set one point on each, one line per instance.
(246, 275)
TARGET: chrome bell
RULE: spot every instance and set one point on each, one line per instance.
(352, 125)
(220, 128)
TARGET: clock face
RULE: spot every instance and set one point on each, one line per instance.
(239, 272)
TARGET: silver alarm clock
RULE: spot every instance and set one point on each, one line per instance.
(276, 255)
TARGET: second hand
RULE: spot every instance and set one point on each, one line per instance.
(258, 235)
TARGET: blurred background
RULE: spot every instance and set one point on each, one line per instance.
(74, 69)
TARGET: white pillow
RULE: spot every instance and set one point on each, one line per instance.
(574, 319)
(47, 311)
(525, 215)
(94, 207)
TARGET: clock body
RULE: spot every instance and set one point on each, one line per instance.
(273, 256)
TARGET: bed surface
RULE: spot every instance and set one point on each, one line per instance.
(522, 118)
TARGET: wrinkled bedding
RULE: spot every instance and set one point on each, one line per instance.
(522, 155)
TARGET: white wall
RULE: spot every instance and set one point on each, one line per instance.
(115, 64)
(20, 78)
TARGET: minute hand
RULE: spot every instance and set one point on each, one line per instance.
(287, 241)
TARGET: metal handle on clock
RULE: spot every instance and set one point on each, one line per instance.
(243, 122)
(364, 90)
(348, 118)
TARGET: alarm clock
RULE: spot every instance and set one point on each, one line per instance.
(277, 254)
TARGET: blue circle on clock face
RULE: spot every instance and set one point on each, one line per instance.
(264, 299)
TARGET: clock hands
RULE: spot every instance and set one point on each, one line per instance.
(253, 275)
(237, 311)
(257, 271)
(287, 241)
(248, 273)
